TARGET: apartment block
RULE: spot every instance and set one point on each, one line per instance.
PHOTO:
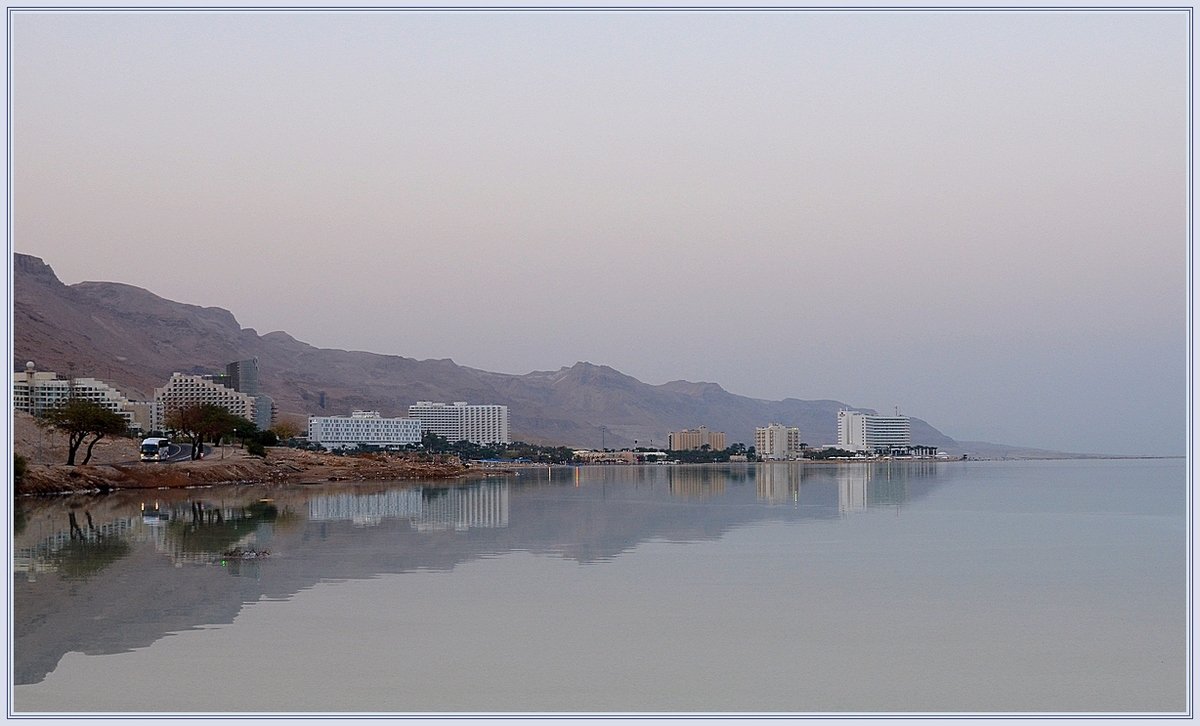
(698, 438)
(36, 392)
(184, 390)
(776, 441)
(363, 427)
(460, 421)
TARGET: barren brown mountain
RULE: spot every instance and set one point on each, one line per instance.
(136, 339)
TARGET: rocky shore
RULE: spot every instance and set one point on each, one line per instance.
(281, 465)
(115, 465)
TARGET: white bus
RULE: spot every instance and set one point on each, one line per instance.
(155, 449)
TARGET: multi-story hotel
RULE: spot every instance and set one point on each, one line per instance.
(859, 431)
(363, 427)
(184, 390)
(458, 421)
(776, 441)
(242, 376)
(689, 439)
(36, 392)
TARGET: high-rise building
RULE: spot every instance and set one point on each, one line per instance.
(184, 390)
(243, 376)
(458, 421)
(776, 441)
(36, 392)
(698, 438)
(859, 431)
(363, 427)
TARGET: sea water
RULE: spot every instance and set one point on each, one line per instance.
(912, 587)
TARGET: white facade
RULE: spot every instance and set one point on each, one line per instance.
(777, 441)
(363, 427)
(458, 421)
(185, 390)
(36, 392)
(868, 431)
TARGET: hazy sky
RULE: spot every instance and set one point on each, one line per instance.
(979, 217)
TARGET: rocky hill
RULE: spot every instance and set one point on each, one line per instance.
(135, 340)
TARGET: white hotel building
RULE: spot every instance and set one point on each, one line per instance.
(479, 424)
(363, 427)
(184, 390)
(868, 431)
(37, 392)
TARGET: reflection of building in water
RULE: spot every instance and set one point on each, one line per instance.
(365, 509)
(852, 487)
(458, 508)
(462, 508)
(696, 482)
(778, 483)
(39, 557)
(871, 485)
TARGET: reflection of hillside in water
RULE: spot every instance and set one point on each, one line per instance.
(168, 572)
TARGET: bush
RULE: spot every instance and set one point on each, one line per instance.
(255, 448)
(20, 466)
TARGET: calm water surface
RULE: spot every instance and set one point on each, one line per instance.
(903, 587)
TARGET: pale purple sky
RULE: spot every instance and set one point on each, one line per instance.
(979, 217)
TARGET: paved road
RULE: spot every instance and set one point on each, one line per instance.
(178, 452)
(175, 454)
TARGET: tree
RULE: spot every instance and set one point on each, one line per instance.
(287, 429)
(434, 443)
(202, 422)
(79, 418)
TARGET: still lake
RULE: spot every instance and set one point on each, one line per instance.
(1033, 586)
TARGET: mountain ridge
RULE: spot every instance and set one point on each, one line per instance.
(135, 339)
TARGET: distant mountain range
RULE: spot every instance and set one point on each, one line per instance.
(135, 339)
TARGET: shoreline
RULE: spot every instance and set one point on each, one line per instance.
(280, 466)
(291, 466)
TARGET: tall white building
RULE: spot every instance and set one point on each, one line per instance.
(363, 427)
(776, 441)
(458, 421)
(36, 392)
(869, 431)
(184, 390)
